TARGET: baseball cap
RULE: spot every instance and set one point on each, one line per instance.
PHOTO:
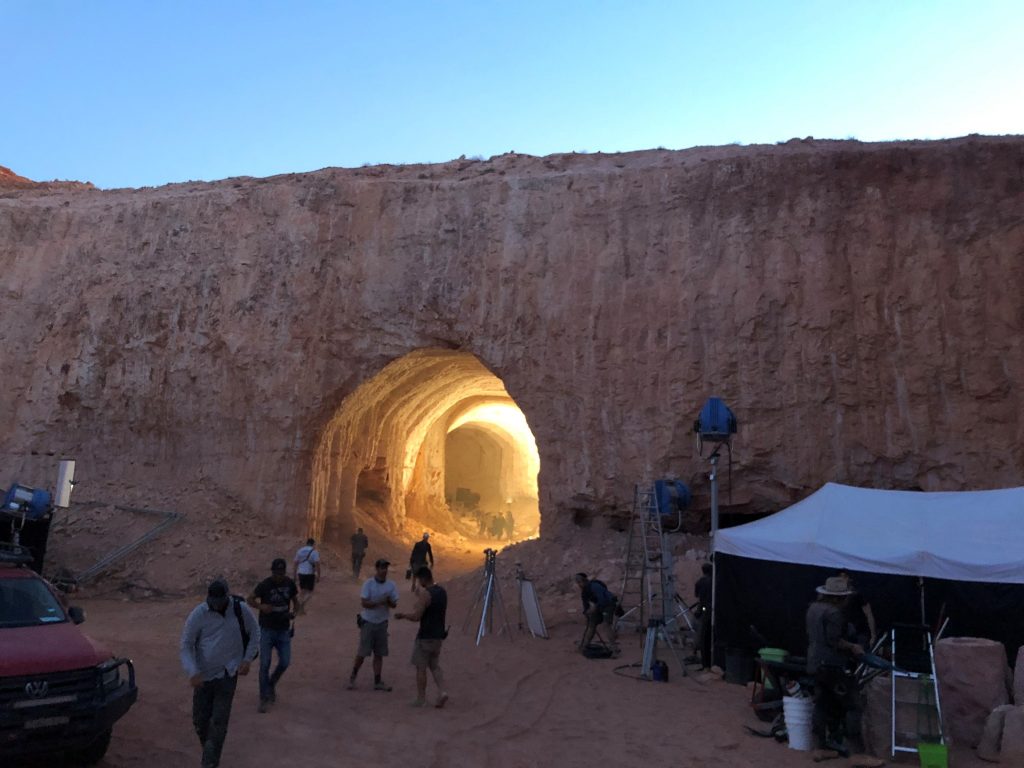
(382, 563)
(218, 590)
(279, 564)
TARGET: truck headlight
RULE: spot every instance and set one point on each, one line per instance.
(111, 678)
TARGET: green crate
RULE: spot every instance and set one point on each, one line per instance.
(933, 755)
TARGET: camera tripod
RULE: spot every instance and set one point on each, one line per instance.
(490, 594)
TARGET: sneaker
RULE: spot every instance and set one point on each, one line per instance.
(418, 703)
(273, 696)
(381, 686)
(441, 701)
(264, 706)
(351, 684)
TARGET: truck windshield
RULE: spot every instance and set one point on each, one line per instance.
(26, 603)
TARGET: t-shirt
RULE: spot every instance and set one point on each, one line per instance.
(855, 614)
(421, 552)
(702, 589)
(278, 595)
(597, 593)
(307, 557)
(359, 543)
(373, 591)
(433, 618)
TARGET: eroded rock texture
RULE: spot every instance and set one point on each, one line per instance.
(858, 306)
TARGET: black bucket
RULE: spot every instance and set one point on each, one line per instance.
(739, 666)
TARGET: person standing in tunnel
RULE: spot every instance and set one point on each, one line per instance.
(421, 553)
(359, 546)
(377, 597)
(510, 524)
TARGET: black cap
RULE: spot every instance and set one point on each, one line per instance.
(218, 589)
(279, 564)
(382, 563)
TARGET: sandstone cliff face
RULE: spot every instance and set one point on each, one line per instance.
(858, 306)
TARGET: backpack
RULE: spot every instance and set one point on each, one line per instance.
(236, 602)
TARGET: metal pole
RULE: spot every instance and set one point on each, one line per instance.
(714, 560)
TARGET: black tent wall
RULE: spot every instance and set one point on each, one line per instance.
(772, 598)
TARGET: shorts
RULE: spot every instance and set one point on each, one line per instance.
(373, 639)
(307, 581)
(426, 653)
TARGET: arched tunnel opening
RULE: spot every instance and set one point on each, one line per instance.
(432, 442)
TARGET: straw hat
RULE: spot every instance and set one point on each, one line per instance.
(835, 586)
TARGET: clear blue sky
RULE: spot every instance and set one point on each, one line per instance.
(147, 92)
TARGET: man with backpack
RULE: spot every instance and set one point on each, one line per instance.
(306, 570)
(599, 606)
(217, 645)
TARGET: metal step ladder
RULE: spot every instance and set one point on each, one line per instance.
(915, 689)
(648, 595)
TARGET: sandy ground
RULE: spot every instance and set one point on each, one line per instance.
(515, 701)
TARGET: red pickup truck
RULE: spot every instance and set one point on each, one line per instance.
(60, 691)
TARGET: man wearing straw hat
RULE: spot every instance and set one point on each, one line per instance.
(828, 653)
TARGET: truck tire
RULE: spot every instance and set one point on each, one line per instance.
(93, 753)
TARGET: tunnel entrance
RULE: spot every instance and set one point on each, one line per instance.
(432, 442)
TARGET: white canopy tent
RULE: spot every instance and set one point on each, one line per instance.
(963, 536)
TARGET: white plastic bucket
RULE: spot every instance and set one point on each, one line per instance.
(799, 712)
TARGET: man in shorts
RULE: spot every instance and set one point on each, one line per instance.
(378, 596)
(431, 607)
(306, 571)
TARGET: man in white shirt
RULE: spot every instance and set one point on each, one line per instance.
(306, 571)
(219, 642)
(378, 596)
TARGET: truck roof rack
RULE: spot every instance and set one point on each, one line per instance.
(15, 553)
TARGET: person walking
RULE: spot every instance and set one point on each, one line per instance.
(377, 597)
(359, 546)
(218, 643)
(421, 553)
(703, 591)
(276, 598)
(306, 570)
(430, 611)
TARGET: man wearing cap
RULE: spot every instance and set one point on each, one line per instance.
(421, 552)
(217, 645)
(277, 599)
(828, 653)
(378, 596)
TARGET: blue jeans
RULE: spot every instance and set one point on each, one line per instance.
(269, 640)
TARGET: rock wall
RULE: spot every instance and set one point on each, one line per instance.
(857, 305)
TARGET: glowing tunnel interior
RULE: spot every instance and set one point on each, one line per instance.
(435, 442)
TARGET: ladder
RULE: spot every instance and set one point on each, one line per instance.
(648, 595)
(915, 689)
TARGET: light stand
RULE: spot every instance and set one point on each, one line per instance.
(715, 424)
(490, 594)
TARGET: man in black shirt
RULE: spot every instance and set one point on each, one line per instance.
(431, 607)
(276, 598)
(421, 553)
(702, 591)
(359, 546)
